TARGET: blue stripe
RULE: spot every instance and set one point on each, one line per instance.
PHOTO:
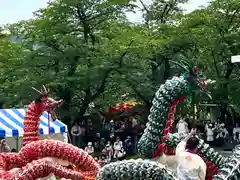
(4, 122)
(41, 131)
(52, 130)
(2, 133)
(57, 123)
(62, 129)
(45, 114)
(41, 122)
(11, 118)
(15, 132)
(16, 111)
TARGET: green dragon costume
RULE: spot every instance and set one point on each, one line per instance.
(157, 133)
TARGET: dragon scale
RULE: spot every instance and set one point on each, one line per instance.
(154, 132)
(33, 159)
(158, 131)
(40, 158)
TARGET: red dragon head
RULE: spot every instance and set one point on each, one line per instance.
(47, 103)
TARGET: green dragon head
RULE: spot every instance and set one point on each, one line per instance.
(194, 77)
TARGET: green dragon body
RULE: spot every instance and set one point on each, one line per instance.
(158, 131)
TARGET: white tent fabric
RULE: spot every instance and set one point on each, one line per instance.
(11, 123)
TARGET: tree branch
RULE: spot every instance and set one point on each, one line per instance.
(124, 54)
(138, 93)
(100, 15)
(215, 64)
(163, 13)
(86, 26)
(232, 17)
(53, 44)
(36, 71)
(101, 89)
(144, 7)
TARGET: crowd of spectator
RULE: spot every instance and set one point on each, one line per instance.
(115, 140)
(214, 133)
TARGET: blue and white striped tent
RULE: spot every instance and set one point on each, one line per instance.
(11, 123)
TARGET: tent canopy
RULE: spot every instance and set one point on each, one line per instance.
(11, 123)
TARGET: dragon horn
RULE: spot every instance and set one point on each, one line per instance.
(45, 90)
(186, 64)
(180, 65)
(36, 90)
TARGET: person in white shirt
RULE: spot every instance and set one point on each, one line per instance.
(108, 150)
(76, 132)
(117, 146)
(236, 138)
(65, 137)
(210, 133)
(190, 166)
(206, 126)
(134, 122)
(182, 126)
(89, 148)
(224, 132)
(236, 131)
(4, 147)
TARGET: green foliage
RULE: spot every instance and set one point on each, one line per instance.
(214, 31)
(87, 51)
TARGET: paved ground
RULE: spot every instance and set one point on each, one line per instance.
(226, 149)
(226, 153)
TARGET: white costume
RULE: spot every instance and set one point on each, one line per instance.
(210, 133)
(182, 126)
(89, 148)
(117, 146)
(190, 166)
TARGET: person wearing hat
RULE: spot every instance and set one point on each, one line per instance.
(4, 146)
(108, 151)
(117, 146)
(89, 148)
(210, 133)
(182, 126)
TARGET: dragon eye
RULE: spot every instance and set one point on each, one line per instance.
(204, 84)
(196, 70)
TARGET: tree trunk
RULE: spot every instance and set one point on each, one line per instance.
(80, 115)
(66, 95)
(225, 96)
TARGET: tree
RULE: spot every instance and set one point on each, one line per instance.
(214, 32)
(159, 24)
(160, 12)
(88, 52)
(66, 46)
(11, 56)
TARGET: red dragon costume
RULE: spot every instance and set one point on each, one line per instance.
(34, 159)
